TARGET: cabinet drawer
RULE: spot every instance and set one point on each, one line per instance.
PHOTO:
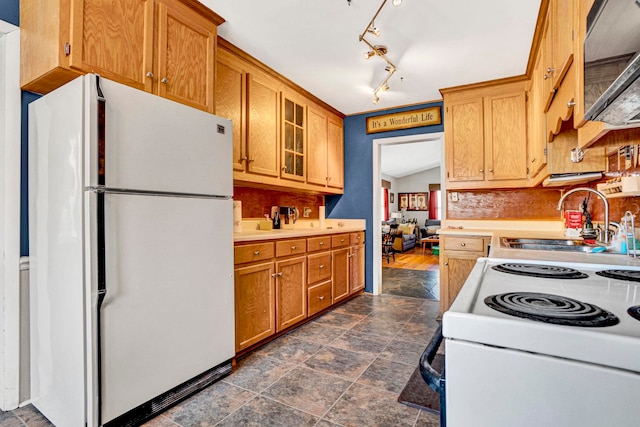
(318, 243)
(319, 267)
(339, 240)
(471, 244)
(356, 238)
(318, 297)
(291, 247)
(253, 252)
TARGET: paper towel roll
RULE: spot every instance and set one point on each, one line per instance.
(237, 216)
(321, 216)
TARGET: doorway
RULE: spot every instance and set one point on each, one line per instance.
(432, 138)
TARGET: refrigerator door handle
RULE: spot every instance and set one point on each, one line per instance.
(101, 235)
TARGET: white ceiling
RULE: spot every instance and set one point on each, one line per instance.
(434, 44)
(400, 160)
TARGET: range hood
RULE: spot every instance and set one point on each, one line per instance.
(619, 105)
(612, 63)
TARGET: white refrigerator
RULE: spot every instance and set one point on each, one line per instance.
(131, 252)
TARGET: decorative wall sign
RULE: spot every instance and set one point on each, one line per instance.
(405, 120)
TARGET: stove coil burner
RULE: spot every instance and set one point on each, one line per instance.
(538, 270)
(634, 312)
(629, 275)
(548, 308)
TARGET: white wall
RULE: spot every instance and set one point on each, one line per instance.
(417, 183)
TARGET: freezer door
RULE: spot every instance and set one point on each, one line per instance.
(153, 144)
(168, 313)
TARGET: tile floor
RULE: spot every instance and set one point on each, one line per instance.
(346, 368)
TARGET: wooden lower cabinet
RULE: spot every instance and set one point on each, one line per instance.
(356, 269)
(319, 297)
(340, 274)
(280, 283)
(458, 255)
(291, 292)
(255, 308)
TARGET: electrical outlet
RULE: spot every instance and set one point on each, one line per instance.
(454, 196)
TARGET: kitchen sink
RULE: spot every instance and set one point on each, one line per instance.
(565, 245)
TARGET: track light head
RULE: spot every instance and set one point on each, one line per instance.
(396, 3)
(373, 30)
(376, 99)
(368, 54)
(384, 87)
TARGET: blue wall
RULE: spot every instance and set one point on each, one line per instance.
(10, 11)
(357, 200)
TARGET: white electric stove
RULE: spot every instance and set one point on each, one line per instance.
(538, 343)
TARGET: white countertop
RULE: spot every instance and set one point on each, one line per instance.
(303, 228)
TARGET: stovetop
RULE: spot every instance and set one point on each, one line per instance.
(614, 343)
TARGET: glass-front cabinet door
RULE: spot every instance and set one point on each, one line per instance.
(294, 139)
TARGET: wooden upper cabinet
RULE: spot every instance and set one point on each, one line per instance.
(464, 139)
(165, 47)
(505, 136)
(326, 149)
(231, 103)
(113, 39)
(318, 146)
(536, 123)
(263, 129)
(562, 31)
(283, 137)
(335, 153)
(294, 137)
(486, 135)
(185, 64)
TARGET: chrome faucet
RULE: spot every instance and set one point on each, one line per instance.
(604, 237)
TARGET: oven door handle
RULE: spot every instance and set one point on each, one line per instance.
(433, 378)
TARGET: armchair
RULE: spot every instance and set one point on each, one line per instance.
(406, 238)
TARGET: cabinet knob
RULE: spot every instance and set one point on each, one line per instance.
(164, 80)
(550, 70)
(546, 76)
(150, 74)
(280, 274)
(244, 159)
(321, 243)
(445, 264)
(256, 253)
(491, 170)
(463, 244)
(321, 267)
(277, 274)
(481, 170)
(533, 160)
(293, 248)
(284, 168)
(570, 104)
(341, 240)
(321, 298)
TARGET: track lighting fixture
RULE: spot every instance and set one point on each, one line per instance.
(379, 50)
